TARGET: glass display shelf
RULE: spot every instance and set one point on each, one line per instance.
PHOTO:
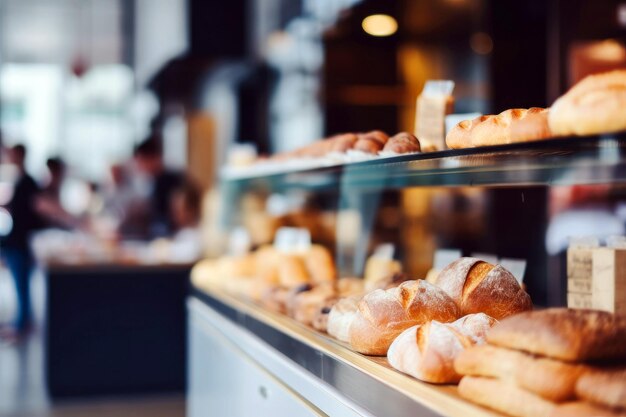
(562, 161)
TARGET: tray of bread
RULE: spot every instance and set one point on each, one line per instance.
(470, 332)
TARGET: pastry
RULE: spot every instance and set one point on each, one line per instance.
(402, 143)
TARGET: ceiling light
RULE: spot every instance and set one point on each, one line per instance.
(380, 25)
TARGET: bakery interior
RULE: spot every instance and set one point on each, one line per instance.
(313, 207)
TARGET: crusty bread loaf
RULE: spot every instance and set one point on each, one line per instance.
(583, 409)
(320, 264)
(510, 126)
(403, 142)
(427, 352)
(606, 387)
(597, 104)
(504, 397)
(383, 315)
(478, 286)
(562, 333)
(340, 318)
(551, 379)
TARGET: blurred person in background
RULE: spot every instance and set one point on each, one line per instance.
(16, 250)
(160, 184)
(48, 203)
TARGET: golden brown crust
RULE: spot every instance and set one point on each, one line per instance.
(510, 126)
(383, 315)
(320, 264)
(477, 286)
(566, 334)
(606, 387)
(504, 397)
(583, 409)
(551, 379)
(292, 270)
(342, 143)
(597, 104)
(402, 143)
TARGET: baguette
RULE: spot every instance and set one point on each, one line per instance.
(583, 409)
(477, 286)
(504, 397)
(562, 333)
(383, 315)
(604, 386)
(548, 378)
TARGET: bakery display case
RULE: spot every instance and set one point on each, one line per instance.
(517, 205)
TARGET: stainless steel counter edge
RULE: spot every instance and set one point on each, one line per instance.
(365, 394)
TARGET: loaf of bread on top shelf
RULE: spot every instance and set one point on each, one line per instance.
(510, 126)
(504, 397)
(383, 315)
(565, 334)
(597, 104)
(427, 352)
(371, 142)
(480, 287)
(401, 143)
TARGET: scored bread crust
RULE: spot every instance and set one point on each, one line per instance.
(477, 286)
(562, 333)
(551, 379)
(427, 352)
(597, 104)
(510, 126)
(383, 314)
(504, 397)
(604, 386)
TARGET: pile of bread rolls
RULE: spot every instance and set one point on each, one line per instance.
(555, 362)
(422, 327)
(374, 143)
(595, 105)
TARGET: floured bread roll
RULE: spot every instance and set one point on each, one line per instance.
(510, 126)
(383, 315)
(427, 352)
(480, 287)
(341, 317)
(597, 104)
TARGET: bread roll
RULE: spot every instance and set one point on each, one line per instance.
(504, 397)
(320, 264)
(551, 379)
(510, 126)
(478, 286)
(305, 301)
(342, 143)
(274, 299)
(402, 143)
(583, 409)
(320, 318)
(606, 387)
(562, 333)
(371, 142)
(292, 270)
(427, 352)
(597, 104)
(377, 269)
(341, 317)
(266, 261)
(383, 315)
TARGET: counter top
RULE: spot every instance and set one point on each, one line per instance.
(366, 380)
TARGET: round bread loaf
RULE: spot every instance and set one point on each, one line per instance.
(342, 143)
(597, 104)
(341, 317)
(477, 286)
(428, 352)
(383, 315)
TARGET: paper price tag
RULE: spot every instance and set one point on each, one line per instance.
(292, 239)
(516, 266)
(239, 242)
